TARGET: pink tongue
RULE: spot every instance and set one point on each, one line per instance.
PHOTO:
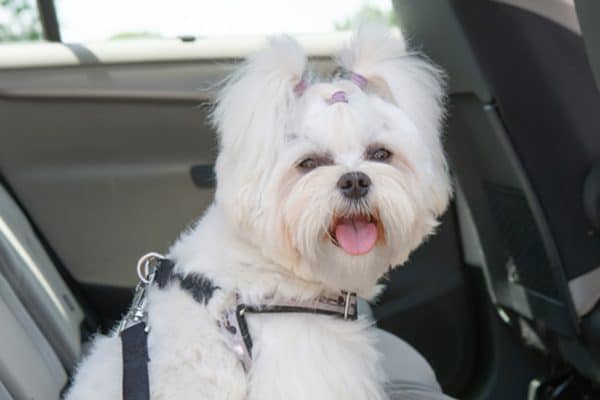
(356, 236)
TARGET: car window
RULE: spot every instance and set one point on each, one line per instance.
(19, 21)
(84, 21)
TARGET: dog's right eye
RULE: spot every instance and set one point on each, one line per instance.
(308, 164)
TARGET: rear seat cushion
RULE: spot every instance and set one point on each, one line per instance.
(410, 377)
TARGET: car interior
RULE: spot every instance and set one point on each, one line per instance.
(106, 153)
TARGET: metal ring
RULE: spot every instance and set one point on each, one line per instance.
(144, 263)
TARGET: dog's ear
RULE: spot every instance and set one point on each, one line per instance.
(251, 114)
(413, 84)
(410, 82)
(255, 101)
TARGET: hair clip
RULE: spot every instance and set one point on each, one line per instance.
(338, 97)
(359, 80)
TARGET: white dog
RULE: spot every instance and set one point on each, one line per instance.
(322, 188)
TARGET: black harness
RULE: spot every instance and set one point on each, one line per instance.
(134, 329)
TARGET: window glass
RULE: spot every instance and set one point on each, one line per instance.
(84, 21)
(19, 21)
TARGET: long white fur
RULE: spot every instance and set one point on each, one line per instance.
(266, 235)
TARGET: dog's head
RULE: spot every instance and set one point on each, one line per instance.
(336, 180)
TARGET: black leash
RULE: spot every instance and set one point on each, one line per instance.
(136, 385)
(134, 331)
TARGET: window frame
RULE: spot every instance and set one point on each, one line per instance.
(49, 20)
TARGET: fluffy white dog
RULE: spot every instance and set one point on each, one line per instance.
(322, 188)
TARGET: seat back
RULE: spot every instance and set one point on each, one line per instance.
(522, 136)
(536, 65)
(588, 13)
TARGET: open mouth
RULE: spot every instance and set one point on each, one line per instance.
(355, 234)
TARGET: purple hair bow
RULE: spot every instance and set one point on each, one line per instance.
(358, 80)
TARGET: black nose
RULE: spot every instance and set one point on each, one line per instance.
(354, 185)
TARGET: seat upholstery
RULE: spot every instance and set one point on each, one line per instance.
(40, 318)
(588, 12)
(29, 368)
(4, 395)
(33, 277)
(410, 376)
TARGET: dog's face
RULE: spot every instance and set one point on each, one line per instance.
(336, 190)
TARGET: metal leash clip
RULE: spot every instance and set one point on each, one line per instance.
(146, 271)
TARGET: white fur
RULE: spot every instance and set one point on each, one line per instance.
(266, 235)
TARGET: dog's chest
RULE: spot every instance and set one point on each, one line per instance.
(294, 356)
(310, 356)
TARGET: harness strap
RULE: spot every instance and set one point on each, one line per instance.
(160, 270)
(200, 287)
(235, 326)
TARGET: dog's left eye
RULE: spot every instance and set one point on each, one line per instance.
(380, 155)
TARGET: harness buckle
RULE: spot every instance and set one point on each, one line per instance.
(347, 304)
(235, 327)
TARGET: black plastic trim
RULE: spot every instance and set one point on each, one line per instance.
(203, 176)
